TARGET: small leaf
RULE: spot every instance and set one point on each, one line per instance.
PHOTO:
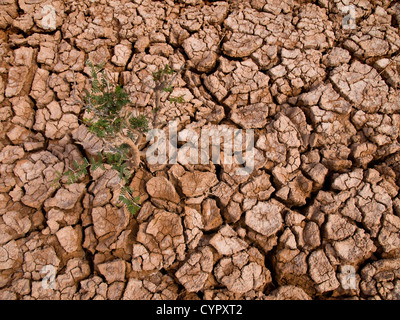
(179, 99)
(75, 164)
(168, 89)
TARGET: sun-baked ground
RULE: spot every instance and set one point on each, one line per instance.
(319, 217)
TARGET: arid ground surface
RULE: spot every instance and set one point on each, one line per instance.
(318, 217)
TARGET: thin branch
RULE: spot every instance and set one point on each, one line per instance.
(391, 62)
(156, 107)
(76, 100)
(148, 86)
(157, 89)
(176, 74)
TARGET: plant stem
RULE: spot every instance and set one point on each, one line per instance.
(156, 106)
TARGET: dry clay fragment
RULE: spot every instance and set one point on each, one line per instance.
(161, 188)
(243, 271)
(38, 174)
(89, 141)
(68, 58)
(9, 255)
(202, 47)
(322, 272)
(197, 183)
(338, 227)
(258, 187)
(389, 236)
(250, 116)
(155, 287)
(161, 242)
(291, 268)
(211, 214)
(381, 279)
(122, 53)
(226, 241)
(241, 45)
(39, 90)
(16, 224)
(265, 217)
(53, 122)
(16, 80)
(23, 110)
(193, 223)
(36, 258)
(223, 192)
(70, 238)
(9, 154)
(92, 288)
(288, 292)
(194, 273)
(109, 221)
(76, 270)
(18, 134)
(66, 198)
(298, 70)
(113, 270)
(8, 12)
(47, 53)
(360, 84)
(356, 248)
(238, 84)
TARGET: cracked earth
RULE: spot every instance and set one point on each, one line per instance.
(319, 216)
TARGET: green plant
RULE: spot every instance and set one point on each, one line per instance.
(163, 79)
(118, 163)
(119, 130)
(105, 104)
(128, 200)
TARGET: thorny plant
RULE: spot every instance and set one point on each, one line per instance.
(163, 79)
(118, 128)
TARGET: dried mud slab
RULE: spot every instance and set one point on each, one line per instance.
(318, 215)
(160, 242)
